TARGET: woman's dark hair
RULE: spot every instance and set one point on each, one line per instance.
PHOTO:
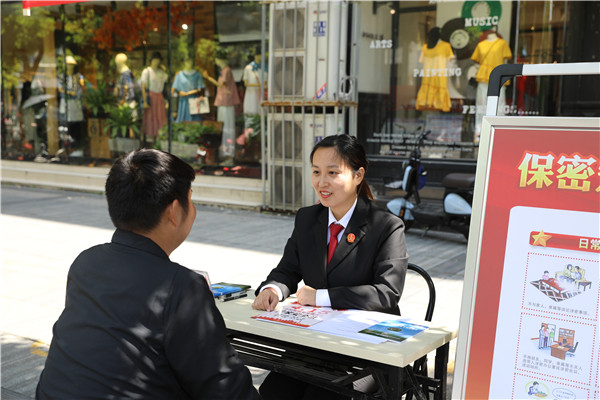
(432, 37)
(353, 153)
(140, 186)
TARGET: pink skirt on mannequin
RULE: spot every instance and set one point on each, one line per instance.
(155, 117)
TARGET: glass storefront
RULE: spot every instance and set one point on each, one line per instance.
(84, 82)
(432, 69)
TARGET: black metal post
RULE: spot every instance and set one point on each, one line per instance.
(169, 117)
(394, 72)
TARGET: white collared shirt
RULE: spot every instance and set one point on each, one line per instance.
(343, 221)
(323, 299)
(322, 296)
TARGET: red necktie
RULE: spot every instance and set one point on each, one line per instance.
(335, 230)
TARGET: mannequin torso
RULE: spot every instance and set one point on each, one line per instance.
(188, 84)
(252, 75)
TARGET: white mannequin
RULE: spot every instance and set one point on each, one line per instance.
(153, 81)
(71, 93)
(157, 70)
(252, 77)
(121, 62)
(121, 65)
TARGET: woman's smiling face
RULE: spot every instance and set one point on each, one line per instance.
(334, 181)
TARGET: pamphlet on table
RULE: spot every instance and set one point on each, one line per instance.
(224, 291)
(298, 315)
(394, 329)
(353, 324)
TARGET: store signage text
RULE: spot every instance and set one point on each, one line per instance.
(388, 138)
(319, 28)
(381, 44)
(568, 172)
(482, 21)
(377, 40)
(506, 109)
(436, 72)
(375, 36)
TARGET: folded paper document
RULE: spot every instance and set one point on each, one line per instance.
(297, 315)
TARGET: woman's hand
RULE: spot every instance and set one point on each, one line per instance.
(307, 296)
(266, 300)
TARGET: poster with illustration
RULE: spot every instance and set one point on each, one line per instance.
(529, 387)
(530, 324)
(546, 316)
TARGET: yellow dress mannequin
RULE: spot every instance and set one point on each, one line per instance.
(433, 94)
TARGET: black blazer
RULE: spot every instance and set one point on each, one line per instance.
(144, 327)
(367, 274)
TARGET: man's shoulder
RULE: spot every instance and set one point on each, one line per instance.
(120, 255)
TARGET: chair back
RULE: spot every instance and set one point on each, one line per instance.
(572, 349)
(430, 285)
(420, 366)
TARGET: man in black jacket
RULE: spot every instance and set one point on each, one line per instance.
(135, 324)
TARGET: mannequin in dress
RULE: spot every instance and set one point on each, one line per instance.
(489, 53)
(433, 93)
(226, 100)
(124, 89)
(188, 84)
(153, 81)
(70, 107)
(251, 76)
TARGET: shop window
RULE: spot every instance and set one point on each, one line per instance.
(434, 75)
(78, 78)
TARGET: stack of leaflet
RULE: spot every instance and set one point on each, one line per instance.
(229, 291)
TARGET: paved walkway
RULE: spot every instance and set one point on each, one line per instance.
(43, 230)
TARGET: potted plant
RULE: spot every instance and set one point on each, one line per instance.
(99, 101)
(208, 136)
(123, 127)
(183, 144)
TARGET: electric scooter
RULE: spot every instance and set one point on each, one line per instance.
(453, 213)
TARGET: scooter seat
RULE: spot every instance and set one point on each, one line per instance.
(459, 180)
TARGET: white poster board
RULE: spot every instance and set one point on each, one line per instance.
(529, 321)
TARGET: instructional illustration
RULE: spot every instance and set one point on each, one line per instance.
(564, 284)
(550, 281)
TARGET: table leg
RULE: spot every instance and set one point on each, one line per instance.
(403, 380)
(441, 371)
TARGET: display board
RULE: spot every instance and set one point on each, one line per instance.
(529, 323)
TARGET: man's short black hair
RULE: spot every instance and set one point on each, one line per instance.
(140, 186)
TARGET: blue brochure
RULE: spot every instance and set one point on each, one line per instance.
(394, 330)
(221, 290)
